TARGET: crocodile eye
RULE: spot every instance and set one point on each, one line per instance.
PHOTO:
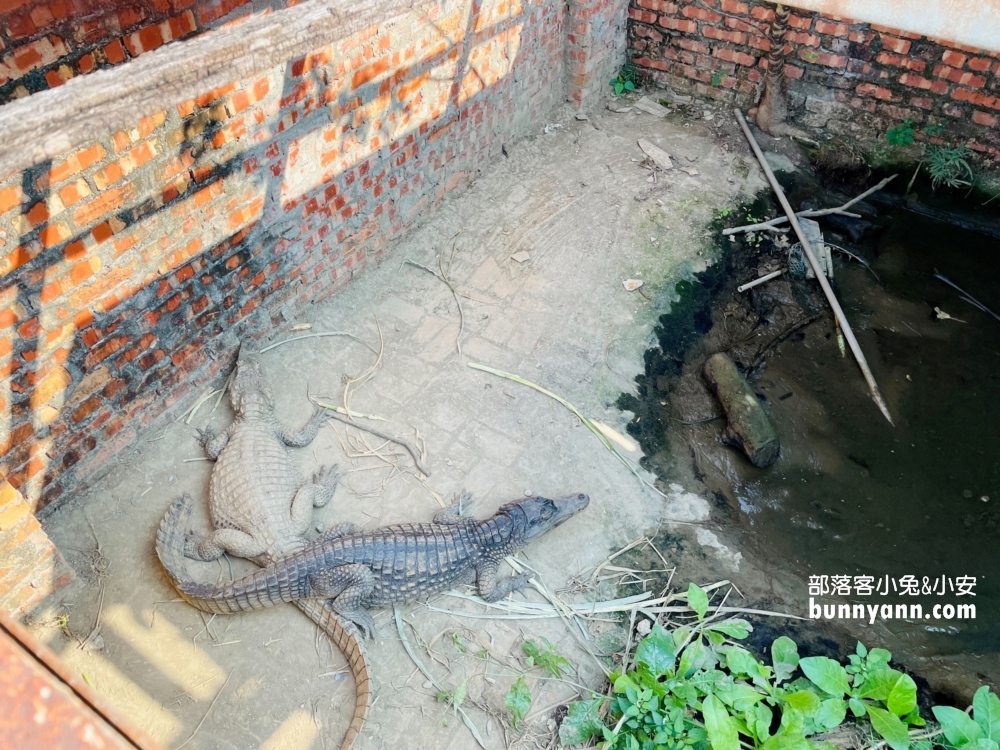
(548, 510)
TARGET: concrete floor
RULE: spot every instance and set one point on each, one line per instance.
(579, 203)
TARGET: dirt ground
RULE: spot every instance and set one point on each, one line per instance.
(589, 215)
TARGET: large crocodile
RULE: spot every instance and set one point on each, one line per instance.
(390, 565)
(261, 509)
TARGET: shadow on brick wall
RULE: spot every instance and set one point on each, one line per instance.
(145, 256)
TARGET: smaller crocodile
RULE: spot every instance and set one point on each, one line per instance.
(389, 565)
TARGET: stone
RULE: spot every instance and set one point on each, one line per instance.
(750, 428)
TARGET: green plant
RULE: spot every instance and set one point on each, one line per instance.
(901, 135)
(453, 698)
(696, 688)
(621, 85)
(518, 701)
(626, 79)
(981, 731)
(949, 165)
(545, 657)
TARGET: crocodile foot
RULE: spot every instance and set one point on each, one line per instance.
(457, 511)
(327, 478)
(360, 617)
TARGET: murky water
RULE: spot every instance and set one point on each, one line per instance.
(853, 495)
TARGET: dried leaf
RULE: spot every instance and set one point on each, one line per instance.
(632, 284)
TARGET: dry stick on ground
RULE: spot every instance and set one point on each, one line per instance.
(319, 334)
(99, 564)
(410, 447)
(214, 701)
(362, 379)
(820, 276)
(458, 298)
(772, 224)
(420, 665)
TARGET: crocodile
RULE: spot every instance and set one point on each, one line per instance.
(261, 509)
(388, 565)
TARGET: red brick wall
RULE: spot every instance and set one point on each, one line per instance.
(31, 567)
(595, 47)
(849, 77)
(129, 268)
(44, 43)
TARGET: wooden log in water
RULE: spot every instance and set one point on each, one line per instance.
(750, 428)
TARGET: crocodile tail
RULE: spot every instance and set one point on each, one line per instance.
(345, 636)
(250, 592)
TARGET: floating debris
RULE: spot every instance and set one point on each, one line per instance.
(942, 315)
(521, 257)
(632, 284)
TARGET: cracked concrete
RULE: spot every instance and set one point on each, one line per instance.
(581, 205)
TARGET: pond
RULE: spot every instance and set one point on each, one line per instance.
(852, 495)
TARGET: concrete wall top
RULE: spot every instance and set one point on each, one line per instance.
(974, 23)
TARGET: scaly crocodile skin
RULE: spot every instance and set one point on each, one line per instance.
(261, 509)
(390, 565)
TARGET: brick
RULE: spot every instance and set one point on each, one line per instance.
(803, 38)
(54, 234)
(370, 73)
(144, 40)
(740, 58)
(976, 97)
(892, 44)
(984, 118)
(870, 89)
(37, 54)
(964, 78)
(832, 28)
(919, 82)
(674, 24)
(76, 163)
(83, 271)
(980, 64)
(803, 23)
(900, 61)
(115, 52)
(10, 197)
(702, 14)
(103, 204)
(733, 37)
(953, 58)
(74, 192)
(734, 7)
(832, 61)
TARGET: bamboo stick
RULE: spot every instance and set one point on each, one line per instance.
(820, 276)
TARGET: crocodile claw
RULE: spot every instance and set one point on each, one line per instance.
(205, 436)
(327, 477)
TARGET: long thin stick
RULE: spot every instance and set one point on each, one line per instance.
(972, 300)
(318, 334)
(444, 278)
(214, 700)
(841, 210)
(820, 276)
(420, 665)
(410, 447)
(630, 465)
